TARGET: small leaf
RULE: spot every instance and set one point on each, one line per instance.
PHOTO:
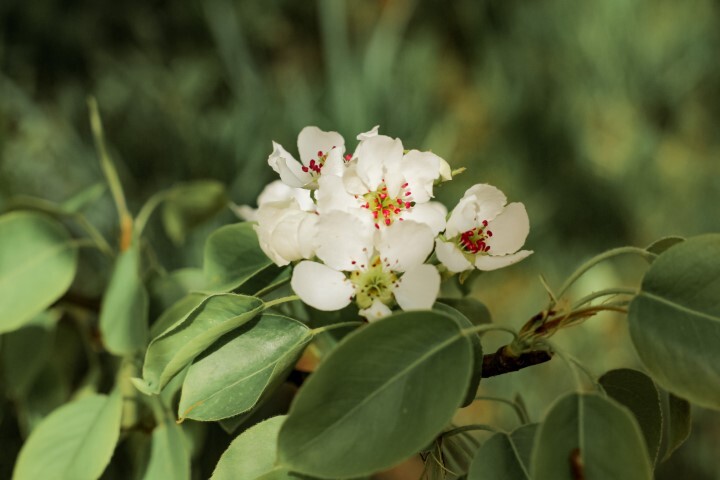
(188, 205)
(505, 456)
(472, 308)
(477, 351)
(124, 310)
(37, 265)
(678, 424)
(659, 246)
(252, 454)
(233, 256)
(636, 391)
(194, 332)
(675, 320)
(169, 456)
(589, 436)
(74, 443)
(383, 394)
(233, 375)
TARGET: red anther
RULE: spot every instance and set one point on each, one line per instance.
(375, 214)
(397, 210)
(487, 248)
(353, 262)
(377, 226)
(367, 204)
(401, 219)
(407, 194)
(305, 169)
(484, 222)
(489, 233)
(319, 153)
(399, 202)
(383, 196)
(348, 157)
(408, 204)
(386, 213)
(404, 185)
(388, 221)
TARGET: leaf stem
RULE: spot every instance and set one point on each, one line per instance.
(601, 258)
(604, 293)
(521, 414)
(148, 209)
(488, 328)
(279, 301)
(467, 428)
(316, 331)
(273, 287)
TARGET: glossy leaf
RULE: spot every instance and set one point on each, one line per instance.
(169, 456)
(251, 456)
(179, 344)
(659, 246)
(176, 313)
(464, 322)
(678, 424)
(505, 456)
(675, 320)
(383, 394)
(637, 392)
(124, 310)
(233, 375)
(188, 205)
(38, 261)
(75, 442)
(472, 308)
(589, 436)
(233, 256)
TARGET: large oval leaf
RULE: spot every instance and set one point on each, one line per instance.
(169, 455)
(505, 456)
(675, 320)
(37, 265)
(74, 443)
(383, 394)
(636, 391)
(232, 376)
(182, 342)
(251, 456)
(124, 310)
(233, 256)
(589, 436)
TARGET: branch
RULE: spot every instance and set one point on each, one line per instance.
(503, 361)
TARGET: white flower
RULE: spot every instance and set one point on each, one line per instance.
(320, 153)
(276, 191)
(390, 186)
(377, 269)
(483, 232)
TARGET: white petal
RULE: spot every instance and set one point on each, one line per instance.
(276, 191)
(264, 235)
(353, 183)
(462, 218)
(344, 240)
(375, 155)
(277, 153)
(418, 288)
(510, 229)
(370, 133)
(376, 311)
(421, 169)
(334, 163)
(431, 214)
(332, 196)
(321, 287)
(489, 200)
(307, 236)
(450, 255)
(491, 262)
(312, 140)
(405, 245)
(445, 170)
(304, 199)
(244, 212)
(291, 173)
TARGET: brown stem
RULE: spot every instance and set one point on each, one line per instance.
(503, 361)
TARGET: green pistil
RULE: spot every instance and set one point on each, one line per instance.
(373, 283)
(386, 209)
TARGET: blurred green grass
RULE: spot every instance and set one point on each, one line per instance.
(601, 116)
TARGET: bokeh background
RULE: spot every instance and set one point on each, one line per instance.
(601, 116)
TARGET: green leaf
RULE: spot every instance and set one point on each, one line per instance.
(675, 320)
(383, 394)
(124, 310)
(177, 312)
(74, 443)
(251, 456)
(476, 346)
(473, 309)
(188, 205)
(636, 391)
(38, 261)
(678, 424)
(167, 289)
(659, 246)
(169, 456)
(231, 377)
(233, 256)
(194, 332)
(84, 197)
(589, 436)
(277, 403)
(505, 456)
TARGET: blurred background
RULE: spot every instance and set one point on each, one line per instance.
(602, 117)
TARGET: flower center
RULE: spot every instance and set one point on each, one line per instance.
(373, 283)
(386, 209)
(315, 166)
(473, 241)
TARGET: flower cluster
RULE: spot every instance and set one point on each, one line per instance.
(362, 226)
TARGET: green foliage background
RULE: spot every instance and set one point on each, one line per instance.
(601, 116)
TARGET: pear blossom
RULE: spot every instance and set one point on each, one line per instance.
(388, 184)
(320, 153)
(483, 232)
(276, 191)
(376, 269)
